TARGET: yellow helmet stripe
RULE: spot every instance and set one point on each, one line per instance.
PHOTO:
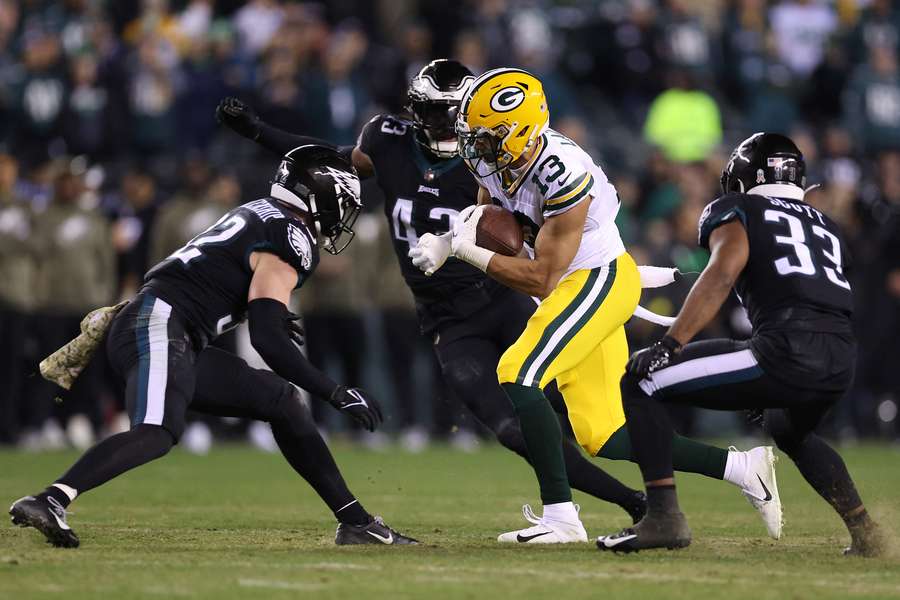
(576, 188)
(484, 78)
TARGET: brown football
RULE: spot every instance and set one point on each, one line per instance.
(498, 231)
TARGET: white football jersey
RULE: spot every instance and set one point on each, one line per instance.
(559, 176)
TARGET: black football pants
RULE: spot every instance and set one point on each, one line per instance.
(725, 375)
(164, 376)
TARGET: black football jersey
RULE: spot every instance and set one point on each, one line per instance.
(207, 280)
(421, 197)
(793, 285)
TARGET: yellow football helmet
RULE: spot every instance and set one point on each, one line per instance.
(500, 118)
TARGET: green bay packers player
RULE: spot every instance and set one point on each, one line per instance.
(589, 286)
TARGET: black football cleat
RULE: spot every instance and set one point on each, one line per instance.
(668, 530)
(47, 516)
(867, 541)
(375, 532)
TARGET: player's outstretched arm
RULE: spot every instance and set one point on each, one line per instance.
(730, 251)
(270, 333)
(556, 245)
(242, 119)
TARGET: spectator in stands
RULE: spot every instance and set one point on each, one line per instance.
(133, 218)
(40, 97)
(801, 29)
(873, 101)
(92, 119)
(256, 23)
(332, 305)
(75, 274)
(684, 121)
(17, 282)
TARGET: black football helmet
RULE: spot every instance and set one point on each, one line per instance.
(765, 159)
(433, 97)
(319, 181)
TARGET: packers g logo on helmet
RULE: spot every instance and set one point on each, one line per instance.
(507, 99)
(500, 118)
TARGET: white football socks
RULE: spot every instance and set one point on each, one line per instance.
(563, 512)
(736, 467)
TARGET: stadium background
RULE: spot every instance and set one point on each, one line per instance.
(110, 159)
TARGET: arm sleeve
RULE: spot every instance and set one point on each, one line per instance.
(281, 142)
(267, 321)
(719, 212)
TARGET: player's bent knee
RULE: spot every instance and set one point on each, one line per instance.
(465, 375)
(156, 439)
(509, 434)
(778, 425)
(293, 413)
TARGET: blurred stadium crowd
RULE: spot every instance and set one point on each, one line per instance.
(110, 157)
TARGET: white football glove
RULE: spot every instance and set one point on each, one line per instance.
(431, 252)
(462, 242)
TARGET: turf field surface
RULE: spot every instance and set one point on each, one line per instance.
(241, 524)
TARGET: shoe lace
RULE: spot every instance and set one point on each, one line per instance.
(530, 516)
(57, 508)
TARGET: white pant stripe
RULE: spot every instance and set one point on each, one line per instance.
(567, 325)
(699, 367)
(158, 336)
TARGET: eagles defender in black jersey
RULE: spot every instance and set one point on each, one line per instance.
(784, 258)
(244, 266)
(471, 318)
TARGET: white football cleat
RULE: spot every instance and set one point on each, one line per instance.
(545, 531)
(761, 488)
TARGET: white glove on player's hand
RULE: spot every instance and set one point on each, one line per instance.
(431, 252)
(466, 226)
(462, 243)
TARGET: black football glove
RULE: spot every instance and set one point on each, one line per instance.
(239, 117)
(644, 362)
(360, 405)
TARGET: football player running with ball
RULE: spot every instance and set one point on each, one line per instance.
(244, 266)
(470, 318)
(784, 259)
(588, 287)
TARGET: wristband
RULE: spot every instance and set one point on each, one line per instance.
(474, 255)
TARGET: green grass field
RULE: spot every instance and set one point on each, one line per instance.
(240, 524)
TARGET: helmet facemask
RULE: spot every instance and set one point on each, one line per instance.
(435, 125)
(483, 145)
(336, 225)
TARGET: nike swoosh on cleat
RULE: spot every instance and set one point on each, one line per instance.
(613, 541)
(384, 540)
(527, 538)
(768, 493)
(62, 524)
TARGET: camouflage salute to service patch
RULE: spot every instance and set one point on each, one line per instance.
(63, 366)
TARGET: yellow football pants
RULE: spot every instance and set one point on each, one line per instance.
(577, 337)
